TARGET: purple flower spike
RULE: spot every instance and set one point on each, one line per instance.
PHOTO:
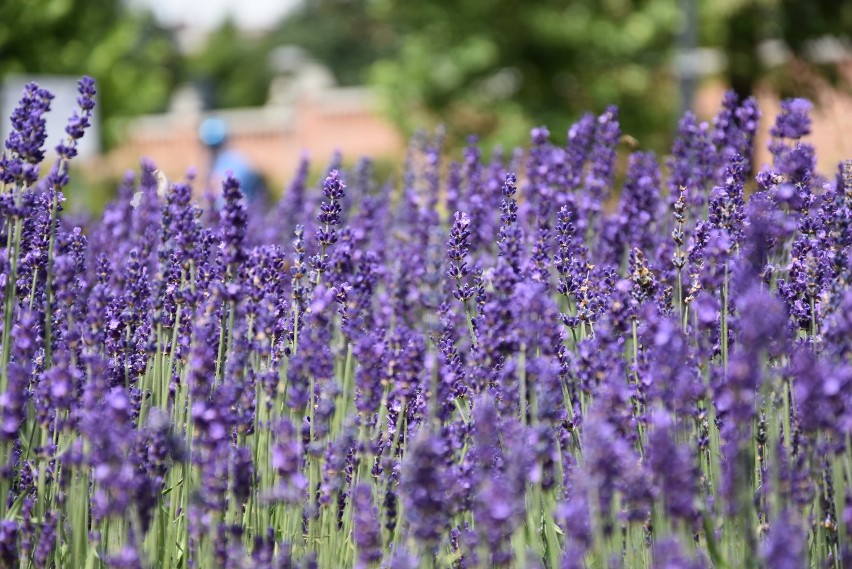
(794, 121)
(424, 487)
(457, 250)
(329, 219)
(366, 532)
(784, 546)
(79, 122)
(25, 142)
(233, 223)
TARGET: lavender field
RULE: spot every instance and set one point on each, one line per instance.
(530, 359)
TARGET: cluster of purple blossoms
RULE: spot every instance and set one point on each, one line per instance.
(24, 146)
(523, 363)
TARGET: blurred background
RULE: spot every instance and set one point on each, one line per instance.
(189, 82)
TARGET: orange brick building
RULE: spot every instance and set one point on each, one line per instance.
(306, 112)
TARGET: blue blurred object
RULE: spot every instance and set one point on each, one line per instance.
(250, 181)
(213, 132)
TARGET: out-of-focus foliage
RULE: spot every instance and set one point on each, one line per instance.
(498, 66)
(133, 58)
(344, 35)
(800, 29)
(232, 69)
(801, 22)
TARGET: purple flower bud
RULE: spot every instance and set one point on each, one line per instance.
(793, 121)
(424, 486)
(9, 543)
(233, 223)
(366, 530)
(25, 141)
(785, 545)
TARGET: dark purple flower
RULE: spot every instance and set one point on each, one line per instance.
(501, 479)
(314, 357)
(457, 249)
(574, 518)
(233, 223)
(25, 141)
(9, 543)
(476, 200)
(401, 558)
(46, 541)
(126, 558)
(329, 219)
(643, 278)
(610, 460)
(672, 466)
(819, 387)
(762, 322)
(291, 207)
(424, 486)
(727, 205)
(242, 474)
(785, 544)
(509, 238)
(668, 554)
(635, 222)
(837, 328)
(366, 530)
(369, 377)
(286, 458)
(601, 169)
(692, 162)
(599, 180)
(734, 129)
(78, 122)
(13, 401)
(794, 120)
(672, 367)
(579, 142)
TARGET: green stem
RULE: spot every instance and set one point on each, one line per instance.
(48, 319)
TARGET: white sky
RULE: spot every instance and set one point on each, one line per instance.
(207, 14)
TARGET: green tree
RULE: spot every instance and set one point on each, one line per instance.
(738, 27)
(498, 66)
(132, 57)
(232, 69)
(345, 35)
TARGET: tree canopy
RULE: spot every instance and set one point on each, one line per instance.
(491, 67)
(498, 66)
(133, 58)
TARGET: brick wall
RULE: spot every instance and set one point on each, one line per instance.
(272, 138)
